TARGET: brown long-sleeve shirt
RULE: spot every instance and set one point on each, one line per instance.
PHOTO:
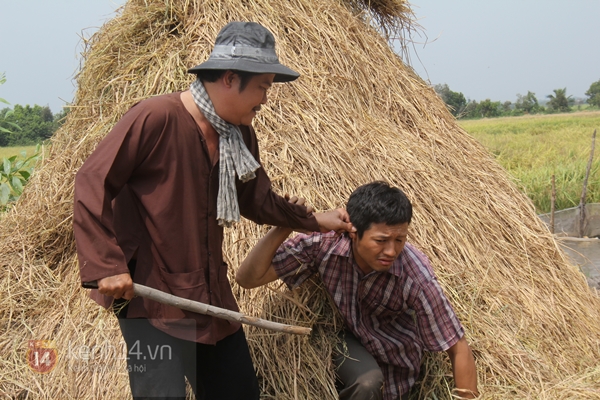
(149, 191)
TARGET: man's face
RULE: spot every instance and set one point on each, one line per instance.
(380, 245)
(243, 106)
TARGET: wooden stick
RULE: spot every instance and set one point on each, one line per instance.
(552, 204)
(583, 192)
(205, 309)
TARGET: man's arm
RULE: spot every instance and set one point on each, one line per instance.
(97, 183)
(256, 269)
(463, 369)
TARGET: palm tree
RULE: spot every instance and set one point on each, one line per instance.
(559, 102)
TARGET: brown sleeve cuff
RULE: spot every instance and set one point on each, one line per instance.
(89, 272)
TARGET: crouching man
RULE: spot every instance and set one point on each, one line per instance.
(391, 302)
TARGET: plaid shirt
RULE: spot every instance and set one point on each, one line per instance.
(395, 314)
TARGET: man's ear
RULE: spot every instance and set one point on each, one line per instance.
(352, 235)
(228, 79)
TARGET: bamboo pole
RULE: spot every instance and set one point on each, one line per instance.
(583, 192)
(205, 309)
(552, 204)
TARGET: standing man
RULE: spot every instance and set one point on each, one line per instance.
(150, 206)
(391, 302)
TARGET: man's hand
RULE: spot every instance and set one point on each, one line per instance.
(117, 286)
(298, 200)
(335, 220)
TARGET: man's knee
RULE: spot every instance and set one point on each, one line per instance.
(367, 386)
(371, 381)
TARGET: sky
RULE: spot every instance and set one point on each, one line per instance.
(497, 49)
(492, 49)
(40, 46)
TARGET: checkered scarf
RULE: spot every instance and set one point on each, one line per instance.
(234, 157)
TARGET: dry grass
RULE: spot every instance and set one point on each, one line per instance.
(357, 114)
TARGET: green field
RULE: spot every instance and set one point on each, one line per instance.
(533, 148)
(6, 152)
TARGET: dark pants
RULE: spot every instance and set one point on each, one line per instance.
(159, 363)
(359, 375)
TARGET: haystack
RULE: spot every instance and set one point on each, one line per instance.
(356, 114)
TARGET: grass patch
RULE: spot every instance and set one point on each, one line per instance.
(7, 152)
(533, 148)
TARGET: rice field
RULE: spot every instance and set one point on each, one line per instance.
(533, 148)
(6, 152)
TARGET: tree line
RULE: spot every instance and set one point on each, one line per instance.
(461, 108)
(27, 125)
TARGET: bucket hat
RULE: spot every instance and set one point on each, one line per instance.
(249, 47)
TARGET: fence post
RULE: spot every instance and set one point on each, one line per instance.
(552, 204)
(583, 192)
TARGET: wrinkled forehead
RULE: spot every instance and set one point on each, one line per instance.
(383, 229)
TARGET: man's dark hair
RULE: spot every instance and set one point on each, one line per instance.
(378, 202)
(212, 75)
